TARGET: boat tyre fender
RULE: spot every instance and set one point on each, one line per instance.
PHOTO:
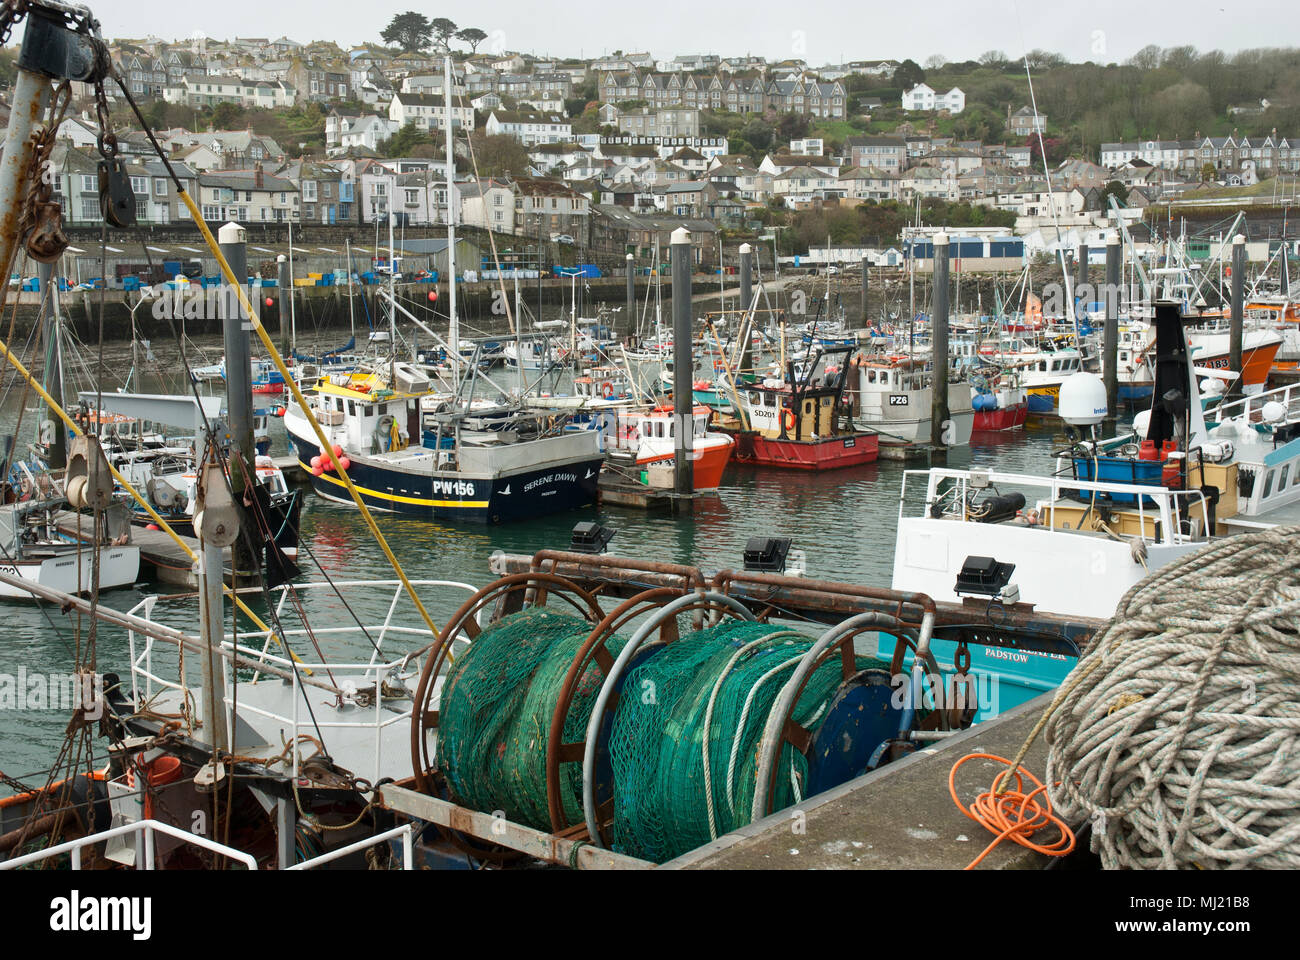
(383, 433)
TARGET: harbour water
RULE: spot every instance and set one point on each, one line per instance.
(843, 520)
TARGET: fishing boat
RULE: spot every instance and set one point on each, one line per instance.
(802, 421)
(998, 400)
(646, 439)
(411, 451)
(33, 548)
(894, 396)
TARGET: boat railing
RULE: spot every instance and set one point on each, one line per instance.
(1252, 406)
(1172, 510)
(144, 832)
(363, 682)
(406, 832)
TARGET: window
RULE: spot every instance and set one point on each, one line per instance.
(1268, 485)
(159, 186)
(90, 208)
(89, 183)
(1281, 480)
(141, 208)
(140, 185)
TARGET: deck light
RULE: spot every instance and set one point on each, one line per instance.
(983, 576)
(767, 554)
(589, 537)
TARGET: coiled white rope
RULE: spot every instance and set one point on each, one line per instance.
(1178, 733)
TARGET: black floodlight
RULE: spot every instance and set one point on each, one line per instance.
(766, 554)
(983, 576)
(590, 537)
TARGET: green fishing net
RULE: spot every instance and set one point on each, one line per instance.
(495, 715)
(662, 805)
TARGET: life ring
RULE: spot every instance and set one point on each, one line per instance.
(607, 389)
(787, 420)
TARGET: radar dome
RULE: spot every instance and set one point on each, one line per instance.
(1274, 412)
(1083, 400)
(1142, 423)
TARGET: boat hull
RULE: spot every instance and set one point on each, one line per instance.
(707, 465)
(118, 567)
(1003, 418)
(444, 495)
(829, 453)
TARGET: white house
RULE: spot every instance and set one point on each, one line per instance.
(427, 111)
(923, 97)
(368, 132)
(489, 204)
(530, 128)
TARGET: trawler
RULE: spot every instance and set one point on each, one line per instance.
(412, 450)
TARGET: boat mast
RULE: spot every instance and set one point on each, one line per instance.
(293, 325)
(352, 322)
(453, 328)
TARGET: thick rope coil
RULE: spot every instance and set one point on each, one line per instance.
(1178, 733)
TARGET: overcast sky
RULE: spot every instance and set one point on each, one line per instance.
(814, 30)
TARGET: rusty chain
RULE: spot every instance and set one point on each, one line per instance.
(41, 221)
(11, 11)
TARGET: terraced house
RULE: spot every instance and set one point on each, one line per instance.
(530, 128)
(247, 196)
(809, 97)
(545, 207)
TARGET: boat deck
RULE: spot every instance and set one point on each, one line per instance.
(897, 817)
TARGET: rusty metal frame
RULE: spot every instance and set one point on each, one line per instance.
(517, 585)
(594, 650)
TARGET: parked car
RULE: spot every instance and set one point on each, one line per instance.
(562, 238)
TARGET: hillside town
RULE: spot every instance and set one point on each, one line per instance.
(611, 151)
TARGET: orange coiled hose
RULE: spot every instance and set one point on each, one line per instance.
(1012, 814)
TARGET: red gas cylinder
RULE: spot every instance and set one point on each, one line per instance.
(1168, 447)
(1147, 451)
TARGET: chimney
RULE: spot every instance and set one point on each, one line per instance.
(259, 177)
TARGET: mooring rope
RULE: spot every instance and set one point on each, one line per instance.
(1180, 737)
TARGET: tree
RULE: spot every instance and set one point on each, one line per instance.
(405, 140)
(993, 58)
(1148, 58)
(757, 133)
(791, 126)
(473, 36)
(908, 74)
(443, 31)
(1207, 172)
(1114, 189)
(227, 116)
(499, 154)
(410, 31)
(936, 62)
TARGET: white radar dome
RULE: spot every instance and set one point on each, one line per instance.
(1274, 412)
(1083, 400)
(1142, 423)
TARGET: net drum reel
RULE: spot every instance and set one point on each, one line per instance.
(661, 625)
(595, 650)
(861, 720)
(514, 594)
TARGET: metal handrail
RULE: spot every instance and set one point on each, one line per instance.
(145, 827)
(408, 860)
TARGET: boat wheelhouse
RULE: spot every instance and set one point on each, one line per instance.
(802, 422)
